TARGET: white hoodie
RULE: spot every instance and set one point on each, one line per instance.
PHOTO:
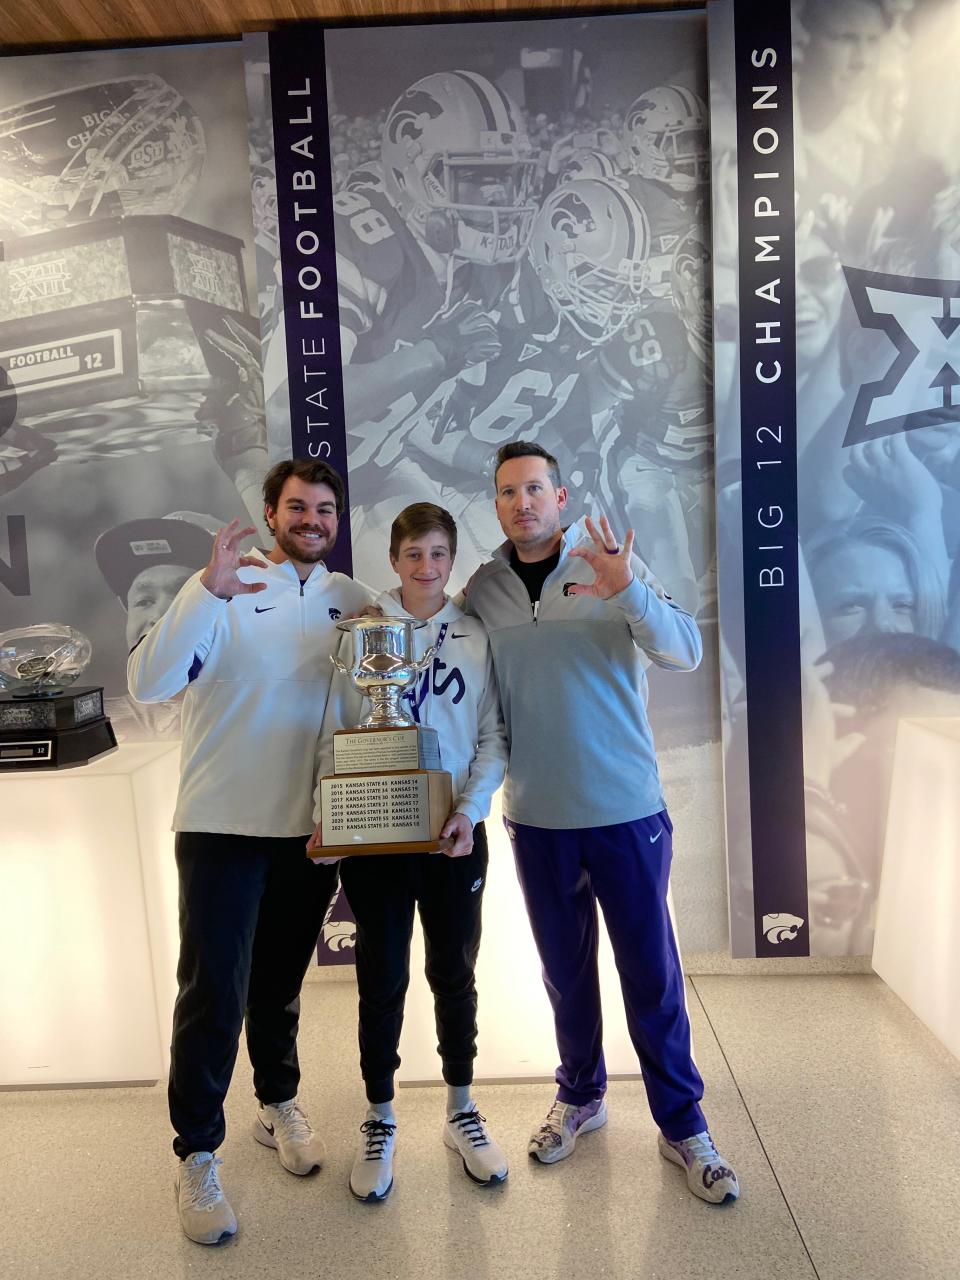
(457, 695)
(257, 672)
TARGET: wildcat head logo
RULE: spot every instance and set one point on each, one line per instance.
(781, 927)
(921, 387)
(338, 935)
(334, 614)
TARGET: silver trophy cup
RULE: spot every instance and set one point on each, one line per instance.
(383, 666)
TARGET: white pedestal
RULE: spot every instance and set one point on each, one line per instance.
(516, 1040)
(80, 858)
(916, 946)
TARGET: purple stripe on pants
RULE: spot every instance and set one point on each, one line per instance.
(626, 868)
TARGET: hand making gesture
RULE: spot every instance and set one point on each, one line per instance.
(609, 561)
(220, 575)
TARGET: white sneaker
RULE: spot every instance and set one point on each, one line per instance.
(557, 1136)
(483, 1161)
(372, 1175)
(285, 1127)
(205, 1212)
(708, 1176)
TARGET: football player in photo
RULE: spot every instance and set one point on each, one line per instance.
(580, 286)
(419, 263)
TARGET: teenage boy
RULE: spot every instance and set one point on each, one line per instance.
(457, 695)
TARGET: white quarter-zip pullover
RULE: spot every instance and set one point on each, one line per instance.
(257, 673)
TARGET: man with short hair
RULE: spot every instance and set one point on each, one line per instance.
(250, 639)
(572, 617)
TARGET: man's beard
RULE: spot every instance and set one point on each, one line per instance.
(310, 554)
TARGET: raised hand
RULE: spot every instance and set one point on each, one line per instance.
(892, 481)
(464, 335)
(220, 576)
(609, 560)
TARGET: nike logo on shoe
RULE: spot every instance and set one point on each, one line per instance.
(654, 839)
(266, 609)
(268, 1127)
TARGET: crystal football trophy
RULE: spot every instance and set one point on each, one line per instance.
(41, 725)
(388, 793)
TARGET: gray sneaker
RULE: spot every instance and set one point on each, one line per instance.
(708, 1174)
(205, 1212)
(557, 1136)
(285, 1127)
(371, 1178)
(465, 1132)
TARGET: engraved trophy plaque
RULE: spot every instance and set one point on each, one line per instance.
(388, 793)
(41, 725)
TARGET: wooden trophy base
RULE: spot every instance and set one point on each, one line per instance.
(391, 811)
(406, 846)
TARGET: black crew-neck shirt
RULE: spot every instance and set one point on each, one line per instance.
(534, 574)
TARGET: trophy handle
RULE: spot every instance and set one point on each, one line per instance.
(341, 667)
(427, 658)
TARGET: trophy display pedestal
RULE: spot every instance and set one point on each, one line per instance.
(115, 317)
(53, 731)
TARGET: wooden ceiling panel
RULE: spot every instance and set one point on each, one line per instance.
(60, 22)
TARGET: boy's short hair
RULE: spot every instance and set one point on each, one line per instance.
(419, 519)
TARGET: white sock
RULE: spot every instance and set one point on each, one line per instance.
(458, 1098)
(383, 1111)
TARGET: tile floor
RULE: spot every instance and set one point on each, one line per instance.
(840, 1111)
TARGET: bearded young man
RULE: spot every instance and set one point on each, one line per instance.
(249, 638)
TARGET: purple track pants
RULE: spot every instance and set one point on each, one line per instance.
(626, 868)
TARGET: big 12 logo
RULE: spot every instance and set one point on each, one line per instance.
(921, 386)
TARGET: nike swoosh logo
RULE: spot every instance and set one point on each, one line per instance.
(654, 839)
(268, 1127)
(464, 635)
(266, 609)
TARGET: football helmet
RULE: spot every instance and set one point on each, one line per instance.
(586, 163)
(459, 167)
(665, 137)
(690, 276)
(126, 146)
(589, 248)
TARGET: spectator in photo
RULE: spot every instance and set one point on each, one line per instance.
(145, 563)
(871, 575)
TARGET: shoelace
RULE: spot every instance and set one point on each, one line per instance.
(551, 1131)
(205, 1190)
(700, 1147)
(470, 1123)
(378, 1132)
(295, 1125)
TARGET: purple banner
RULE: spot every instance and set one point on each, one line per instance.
(768, 438)
(308, 257)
